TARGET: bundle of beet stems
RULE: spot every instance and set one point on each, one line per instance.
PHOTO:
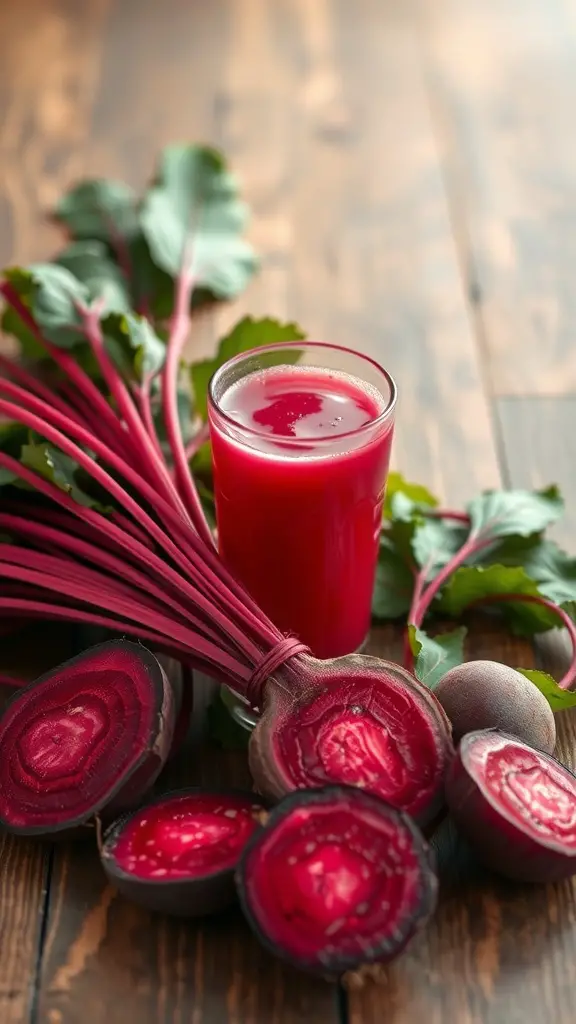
(153, 569)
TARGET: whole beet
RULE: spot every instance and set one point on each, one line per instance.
(489, 695)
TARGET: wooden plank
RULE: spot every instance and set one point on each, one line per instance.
(374, 265)
(502, 75)
(539, 443)
(171, 72)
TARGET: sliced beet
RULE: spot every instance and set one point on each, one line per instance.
(368, 723)
(336, 880)
(177, 854)
(516, 805)
(89, 737)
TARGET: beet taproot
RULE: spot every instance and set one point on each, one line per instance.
(337, 879)
(366, 723)
(178, 853)
(516, 805)
(490, 695)
(89, 737)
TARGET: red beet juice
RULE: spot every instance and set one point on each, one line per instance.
(300, 455)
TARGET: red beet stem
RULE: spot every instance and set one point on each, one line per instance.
(143, 555)
(179, 329)
(143, 400)
(26, 380)
(154, 468)
(200, 438)
(58, 540)
(569, 678)
(110, 425)
(208, 581)
(41, 608)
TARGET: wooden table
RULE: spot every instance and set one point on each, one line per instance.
(412, 171)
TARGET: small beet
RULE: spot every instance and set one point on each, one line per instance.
(489, 695)
(178, 854)
(516, 805)
(366, 723)
(336, 879)
(89, 737)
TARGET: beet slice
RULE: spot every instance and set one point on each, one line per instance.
(368, 723)
(516, 805)
(177, 854)
(337, 879)
(90, 736)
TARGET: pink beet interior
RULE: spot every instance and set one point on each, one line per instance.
(333, 881)
(524, 783)
(330, 740)
(186, 836)
(66, 743)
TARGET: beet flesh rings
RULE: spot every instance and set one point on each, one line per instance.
(91, 735)
(336, 879)
(366, 723)
(516, 805)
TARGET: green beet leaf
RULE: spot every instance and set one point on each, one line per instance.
(194, 207)
(247, 334)
(99, 209)
(435, 656)
(417, 495)
(393, 585)
(134, 344)
(434, 543)
(473, 584)
(90, 263)
(553, 570)
(13, 326)
(557, 698)
(496, 514)
(59, 469)
(51, 293)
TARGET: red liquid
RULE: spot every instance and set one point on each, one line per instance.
(298, 515)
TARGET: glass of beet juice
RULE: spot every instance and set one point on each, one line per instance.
(301, 435)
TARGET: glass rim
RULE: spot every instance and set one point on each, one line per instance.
(383, 416)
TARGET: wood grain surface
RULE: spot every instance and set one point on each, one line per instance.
(412, 176)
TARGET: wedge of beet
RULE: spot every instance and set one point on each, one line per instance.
(516, 805)
(336, 880)
(177, 854)
(89, 737)
(365, 723)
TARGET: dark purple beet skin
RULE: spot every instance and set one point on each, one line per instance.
(177, 854)
(516, 805)
(336, 880)
(89, 737)
(366, 723)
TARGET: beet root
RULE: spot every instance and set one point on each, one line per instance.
(489, 695)
(177, 854)
(516, 805)
(336, 879)
(89, 737)
(365, 723)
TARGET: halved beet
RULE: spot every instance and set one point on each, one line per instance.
(516, 805)
(178, 853)
(89, 737)
(337, 879)
(366, 723)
